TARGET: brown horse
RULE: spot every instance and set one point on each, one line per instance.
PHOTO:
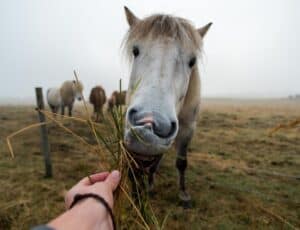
(116, 99)
(98, 99)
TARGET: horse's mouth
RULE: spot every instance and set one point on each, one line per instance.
(146, 162)
(145, 158)
(144, 144)
(145, 148)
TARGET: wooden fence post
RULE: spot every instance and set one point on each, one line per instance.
(44, 132)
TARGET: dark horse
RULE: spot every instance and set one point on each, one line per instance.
(117, 98)
(98, 99)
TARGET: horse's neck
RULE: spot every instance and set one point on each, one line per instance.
(191, 103)
(67, 91)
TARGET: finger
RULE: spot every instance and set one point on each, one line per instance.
(113, 179)
(98, 177)
(89, 180)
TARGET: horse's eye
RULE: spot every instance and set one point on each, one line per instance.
(135, 51)
(192, 62)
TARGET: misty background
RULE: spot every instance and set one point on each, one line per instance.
(251, 50)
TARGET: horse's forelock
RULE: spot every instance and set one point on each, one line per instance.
(164, 26)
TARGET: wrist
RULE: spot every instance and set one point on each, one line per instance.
(94, 212)
(86, 214)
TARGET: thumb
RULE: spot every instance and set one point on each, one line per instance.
(113, 179)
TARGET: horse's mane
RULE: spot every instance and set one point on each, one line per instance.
(165, 26)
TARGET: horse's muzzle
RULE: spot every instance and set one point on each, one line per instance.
(149, 132)
(142, 141)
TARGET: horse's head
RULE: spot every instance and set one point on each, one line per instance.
(163, 51)
(77, 90)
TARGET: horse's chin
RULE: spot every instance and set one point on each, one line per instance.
(142, 143)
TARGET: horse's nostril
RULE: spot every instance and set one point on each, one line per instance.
(173, 128)
(158, 124)
(165, 130)
(131, 115)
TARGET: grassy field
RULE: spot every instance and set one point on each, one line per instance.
(238, 176)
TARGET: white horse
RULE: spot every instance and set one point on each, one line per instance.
(164, 89)
(64, 96)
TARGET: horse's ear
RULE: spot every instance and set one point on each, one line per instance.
(203, 30)
(131, 18)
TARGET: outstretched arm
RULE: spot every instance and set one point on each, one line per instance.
(88, 213)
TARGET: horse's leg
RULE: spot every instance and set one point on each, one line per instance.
(94, 114)
(97, 117)
(98, 114)
(101, 114)
(52, 109)
(152, 171)
(55, 109)
(62, 110)
(70, 107)
(182, 141)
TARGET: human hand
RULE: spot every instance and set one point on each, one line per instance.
(102, 184)
(89, 213)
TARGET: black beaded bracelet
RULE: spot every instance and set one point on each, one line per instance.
(79, 197)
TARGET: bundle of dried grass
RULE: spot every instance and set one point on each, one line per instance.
(131, 211)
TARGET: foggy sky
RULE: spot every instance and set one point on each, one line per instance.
(251, 50)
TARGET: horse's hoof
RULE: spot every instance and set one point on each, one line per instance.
(187, 204)
(184, 196)
(185, 199)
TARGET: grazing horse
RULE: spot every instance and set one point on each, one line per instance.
(64, 96)
(164, 90)
(98, 99)
(117, 98)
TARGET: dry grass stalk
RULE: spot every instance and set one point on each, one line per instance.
(91, 123)
(9, 137)
(79, 119)
(117, 157)
(290, 125)
(281, 219)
